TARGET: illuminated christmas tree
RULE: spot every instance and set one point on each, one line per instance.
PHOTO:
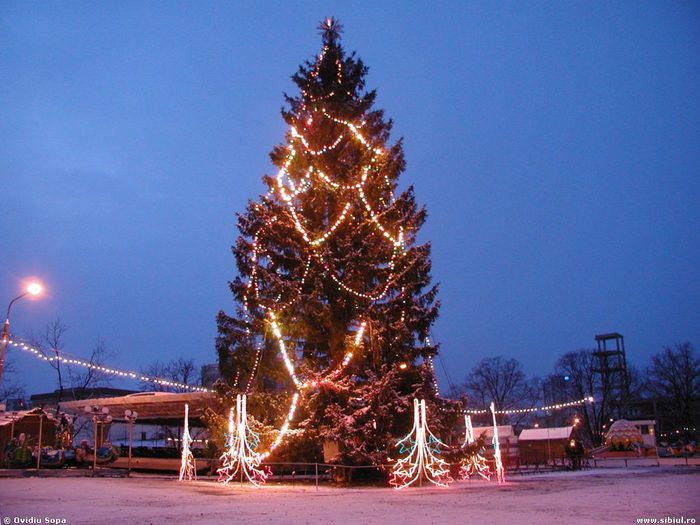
(334, 293)
(422, 449)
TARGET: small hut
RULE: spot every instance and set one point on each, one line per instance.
(28, 424)
(623, 435)
(539, 446)
(507, 442)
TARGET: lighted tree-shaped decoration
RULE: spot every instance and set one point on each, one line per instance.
(187, 465)
(500, 474)
(474, 463)
(241, 459)
(421, 461)
(331, 276)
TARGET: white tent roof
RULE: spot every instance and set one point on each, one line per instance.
(504, 431)
(6, 417)
(540, 434)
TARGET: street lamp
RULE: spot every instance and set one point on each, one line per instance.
(33, 288)
(130, 416)
(99, 415)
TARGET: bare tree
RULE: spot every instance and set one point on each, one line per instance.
(177, 370)
(674, 376)
(502, 381)
(82, 380)
(74, 382)
(9, 390)
(580, 367)
(50, 343)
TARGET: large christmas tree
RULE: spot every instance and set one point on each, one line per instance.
(334, 291)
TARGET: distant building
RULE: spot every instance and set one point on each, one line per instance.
(27, 425)
(17, 403)
(543, 445)
(507, 442)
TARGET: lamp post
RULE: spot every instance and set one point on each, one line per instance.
(38, 446)
(32, 289)
(99, 415)
(130, 416)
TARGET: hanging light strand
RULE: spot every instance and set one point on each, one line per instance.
(62, 357)
(546, 408)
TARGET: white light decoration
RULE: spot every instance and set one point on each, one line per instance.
(285, 427)
(500, 475)
(557, 406)
(325, 376)
(475, 464)
(62, 357)
(421, 461)
(241, 459)
(283, 350)
(295, 188)
(432, 370)
(258, 356)
(187, 464)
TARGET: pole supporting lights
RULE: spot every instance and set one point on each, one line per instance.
(99, 415)
(130, 416)
(34, 289)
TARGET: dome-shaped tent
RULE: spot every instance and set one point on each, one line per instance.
(623, 435)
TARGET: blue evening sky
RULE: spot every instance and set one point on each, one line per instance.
(555, 144)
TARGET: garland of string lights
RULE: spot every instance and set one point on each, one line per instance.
(62, 357)
(127, 374)
(556, 406)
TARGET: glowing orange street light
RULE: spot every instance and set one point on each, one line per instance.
(33, 288)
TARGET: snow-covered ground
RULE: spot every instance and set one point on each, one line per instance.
(589, 497)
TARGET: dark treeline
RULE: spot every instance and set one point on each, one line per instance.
(666, 389)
